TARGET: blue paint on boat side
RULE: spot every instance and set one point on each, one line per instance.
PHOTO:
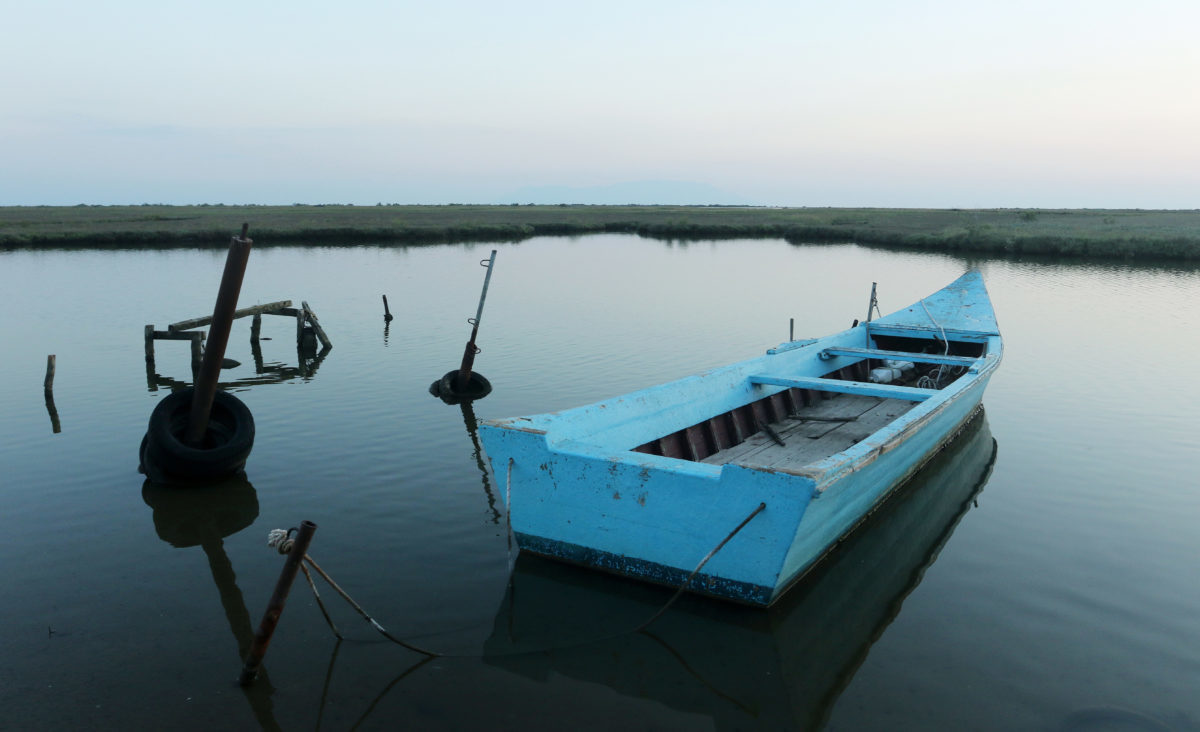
(579, 491)
(866, 482)
(664, 512)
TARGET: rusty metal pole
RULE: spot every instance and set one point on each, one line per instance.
(262, 638)
(218, 338)
(464, 371)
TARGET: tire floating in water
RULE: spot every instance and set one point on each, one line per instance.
(444, 388)
(222, 453)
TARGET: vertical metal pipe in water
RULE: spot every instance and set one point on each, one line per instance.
(464, 371)
(218, 337)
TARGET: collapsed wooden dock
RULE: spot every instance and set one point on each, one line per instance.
(308, 329)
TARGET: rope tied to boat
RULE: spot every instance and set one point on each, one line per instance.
(935, 381)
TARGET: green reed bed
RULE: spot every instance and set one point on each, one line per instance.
(1130, 233)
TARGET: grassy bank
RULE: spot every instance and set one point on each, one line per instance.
(1141, 234)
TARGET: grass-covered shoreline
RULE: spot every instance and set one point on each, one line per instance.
(1125, 233)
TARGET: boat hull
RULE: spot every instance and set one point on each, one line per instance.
(601, 487)
(783, 668)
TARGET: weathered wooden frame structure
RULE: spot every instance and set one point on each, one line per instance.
(306, 321)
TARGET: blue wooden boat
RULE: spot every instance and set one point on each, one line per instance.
(736, 481)
(744, 668)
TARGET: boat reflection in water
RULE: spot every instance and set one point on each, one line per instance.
(783, 667)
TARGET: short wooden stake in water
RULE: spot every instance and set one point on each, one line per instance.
(150, 343)
(387, 314)
(197, 352)
(218, 337)
(48, 387)
(49, 382)
(262, 638)
(311, 317)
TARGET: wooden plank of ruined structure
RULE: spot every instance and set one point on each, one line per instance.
(207, 320)
(312, 318)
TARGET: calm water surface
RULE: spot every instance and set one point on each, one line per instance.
(1043, 574)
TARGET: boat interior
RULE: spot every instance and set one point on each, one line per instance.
(812, 418)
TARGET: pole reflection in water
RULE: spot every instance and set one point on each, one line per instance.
(204, 516)
(468, 412)
(310, 359)
(54, 423)
(780, 668)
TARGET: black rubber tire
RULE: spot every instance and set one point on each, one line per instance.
(225, 447)
(477, 388)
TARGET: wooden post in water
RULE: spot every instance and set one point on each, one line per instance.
(197, 352)
(464, 371)
(150, 343)
(50, 368)
(270, 620)
(48, 388)
(218, 337)
(387, 314)
(316, 325)
(255, 327)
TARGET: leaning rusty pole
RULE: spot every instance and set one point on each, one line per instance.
(463, 383)
(295, 549)
(201, 433)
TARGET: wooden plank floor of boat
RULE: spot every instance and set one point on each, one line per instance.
(806, 442)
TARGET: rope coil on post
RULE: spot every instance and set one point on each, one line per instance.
(282, 540)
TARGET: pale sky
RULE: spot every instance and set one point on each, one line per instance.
(926, 104)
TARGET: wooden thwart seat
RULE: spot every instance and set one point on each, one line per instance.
(902, 356)
(885, 391)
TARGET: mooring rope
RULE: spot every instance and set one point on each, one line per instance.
(937, 380)
(280, 539)
(313, 586)
(696, 571)
(939, 326)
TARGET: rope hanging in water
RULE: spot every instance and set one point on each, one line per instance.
(281, 540)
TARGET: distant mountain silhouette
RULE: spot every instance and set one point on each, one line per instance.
(642, 193)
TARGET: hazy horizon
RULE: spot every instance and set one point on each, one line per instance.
(942, 105)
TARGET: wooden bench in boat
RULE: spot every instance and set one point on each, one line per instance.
(887, 391)
(900, 356)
